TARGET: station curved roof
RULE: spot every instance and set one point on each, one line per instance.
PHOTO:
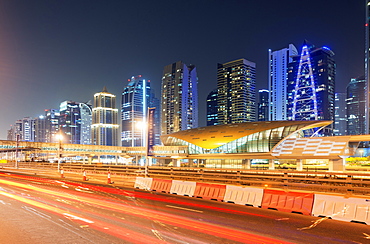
(211, 137)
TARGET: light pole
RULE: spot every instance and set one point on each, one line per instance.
(59, 137)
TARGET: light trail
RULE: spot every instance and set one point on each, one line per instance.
(206, 228)
(123, 233)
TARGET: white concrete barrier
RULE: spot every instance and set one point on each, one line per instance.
(340, 208)
(244, 195)
(183, 188)
(143, 183)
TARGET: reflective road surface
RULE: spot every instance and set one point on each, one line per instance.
(40, 210)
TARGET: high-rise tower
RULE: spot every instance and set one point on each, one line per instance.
(311, 83)
(340, 117)
(367, 66)
(278, 67)
(105, 126)
(179, 98)
(263, 103)
(134, 108)
(356, 104)
(236, 83)
(70, 122)
(212, 108)
(86, 121)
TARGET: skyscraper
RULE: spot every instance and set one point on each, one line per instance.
(40, 129)
(311, 80)
(134, 108)
(52, 124)
(212, 108)
(278, 67)
(86, 121)
(70, 122)
(179, 98)
(340, 117)
(367, 66)
(105, 126)
(263, 105)
(24, 129)
(236, 83)
(356, 103)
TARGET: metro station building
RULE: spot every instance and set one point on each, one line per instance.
(236, 145)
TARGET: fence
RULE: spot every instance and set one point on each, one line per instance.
(334, 182)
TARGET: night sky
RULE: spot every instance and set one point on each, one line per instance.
(57, 50)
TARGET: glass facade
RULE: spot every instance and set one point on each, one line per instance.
(262, 141)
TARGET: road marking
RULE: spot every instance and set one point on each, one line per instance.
(1, 201)
(71, 216)
(37, 212)
(187, 209)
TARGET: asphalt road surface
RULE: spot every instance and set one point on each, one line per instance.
(40, 210)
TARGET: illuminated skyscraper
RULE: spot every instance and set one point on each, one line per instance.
(340, 117)
(134, 108)
(278, 67)
(311, 80)
(105, 126)
(236, 83)
(263, 105)
(52, 124)
(70, 122)
(24, 129)
(86, 121)
(212, 108)
(356, 104)
(179, 98)
(367, 67)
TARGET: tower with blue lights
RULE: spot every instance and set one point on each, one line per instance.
(277, 84)
(179, 101)
(135, 102)
(212, 108)
(311, 84)
(355, 104)
(263, 105)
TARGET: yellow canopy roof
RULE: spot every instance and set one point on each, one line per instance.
(211, 137)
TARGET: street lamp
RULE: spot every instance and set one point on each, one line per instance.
(59, 137)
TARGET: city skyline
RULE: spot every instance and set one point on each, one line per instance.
(57, 51)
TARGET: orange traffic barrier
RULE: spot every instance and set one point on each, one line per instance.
(161, 185)
(210, 191)
(288, 201)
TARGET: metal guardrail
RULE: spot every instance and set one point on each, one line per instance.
(336, 182)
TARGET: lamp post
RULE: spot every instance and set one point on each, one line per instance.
(59, 137)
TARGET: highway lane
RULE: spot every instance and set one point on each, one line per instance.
(38, 210)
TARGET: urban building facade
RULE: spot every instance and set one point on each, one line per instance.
(311, 84)
(212, 108)
(105, 126)
(22, 130)
(179, 101)
(367, 66)
(236, 84)
(263, 105)
(86, 122)
(356, 106)
(70, 122)
(52, 117)
(134, 108)
(277, 83)
(340, 117)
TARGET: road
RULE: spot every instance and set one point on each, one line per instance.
(41, 210)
